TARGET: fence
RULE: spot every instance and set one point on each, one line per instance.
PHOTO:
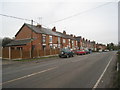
(21, 54)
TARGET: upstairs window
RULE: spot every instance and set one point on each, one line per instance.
(76, 43)
(44, 38)
(50, 39)
(64, 41)
(58, 39)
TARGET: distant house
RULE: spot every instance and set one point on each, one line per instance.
(101, 47)
(93, 45)
(79, 42)
(33, 41)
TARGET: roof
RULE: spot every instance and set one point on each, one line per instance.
(19, 42)
(42, 30)
(78, 38)
(48, 31)
(65, 36)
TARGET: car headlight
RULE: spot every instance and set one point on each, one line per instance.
(62, 52)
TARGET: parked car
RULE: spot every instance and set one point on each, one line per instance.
(66, 53)
(80, 52)
(100, 50)
(106, 50)
(87, 51)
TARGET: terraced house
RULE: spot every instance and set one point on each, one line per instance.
(33, 41)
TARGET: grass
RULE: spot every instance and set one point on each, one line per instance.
(35, 59)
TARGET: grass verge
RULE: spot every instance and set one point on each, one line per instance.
(35, 59)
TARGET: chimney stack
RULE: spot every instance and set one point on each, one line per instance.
(64, 32)
(71, 35)
(54, 29)
(83, 39)
(38, 25)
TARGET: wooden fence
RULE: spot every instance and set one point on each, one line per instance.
(21, 54)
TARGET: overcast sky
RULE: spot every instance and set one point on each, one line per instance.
(92, 20)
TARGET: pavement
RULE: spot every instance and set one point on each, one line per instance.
(84, 71)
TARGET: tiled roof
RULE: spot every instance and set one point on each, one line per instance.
(19, 42)
(78, 38)
(43, 30)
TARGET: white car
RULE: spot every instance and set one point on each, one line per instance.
(100, 50)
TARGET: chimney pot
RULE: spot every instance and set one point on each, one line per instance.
(71, 35)
(64, 32)
(54, 29)
(38, 25)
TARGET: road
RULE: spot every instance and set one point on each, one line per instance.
(78, 72)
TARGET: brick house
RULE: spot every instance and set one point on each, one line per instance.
(100, 47)
(93, 45)
(33, 41)
(79, 42)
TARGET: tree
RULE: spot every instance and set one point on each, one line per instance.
(5, 41)
(119, 44)
(112, 46)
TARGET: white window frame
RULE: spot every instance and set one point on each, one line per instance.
(50, 39)
(76, 43)
(43, 35)
(58, 40)
(64, 41)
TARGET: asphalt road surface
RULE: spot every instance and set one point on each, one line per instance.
(83, 71)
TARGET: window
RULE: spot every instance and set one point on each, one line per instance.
(44, 38)
(76, 43)
(72, 43)
(63, 40)
(58, 39)
(50, 39)
(51, 46)
(58, 45)
(44, 47)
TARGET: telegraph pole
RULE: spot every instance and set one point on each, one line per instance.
(31, 52)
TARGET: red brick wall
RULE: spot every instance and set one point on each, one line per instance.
(25, 32)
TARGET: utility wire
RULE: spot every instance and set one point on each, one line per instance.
(79, 13)
(21, 19)
(15, 17)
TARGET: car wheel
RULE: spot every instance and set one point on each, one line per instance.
(67, 56)
(60, 56)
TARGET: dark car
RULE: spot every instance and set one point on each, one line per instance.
(66, 53)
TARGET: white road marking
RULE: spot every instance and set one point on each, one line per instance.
(28, 75)
(95, 86)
